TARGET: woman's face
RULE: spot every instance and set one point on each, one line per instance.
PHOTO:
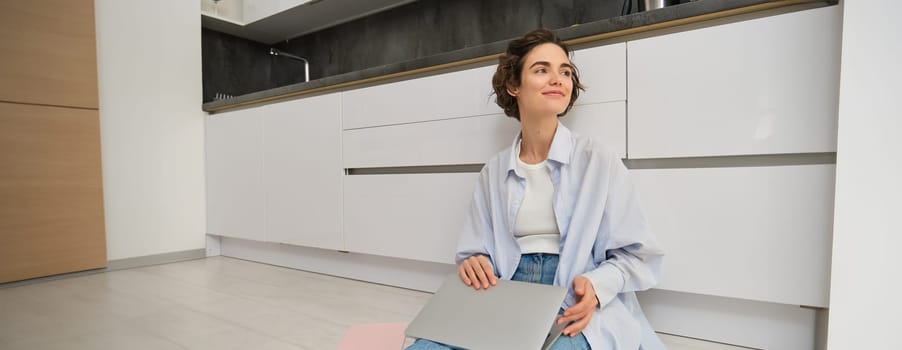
(545, 82)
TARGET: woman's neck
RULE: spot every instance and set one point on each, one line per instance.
(537, 135)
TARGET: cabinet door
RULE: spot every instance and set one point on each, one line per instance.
(410, 216)
(756, 233)
(51, 212)
(48, 52)
(604, 122)
(470, 140)
(459, 94)
(603, 72)
(302, 158)
(234, 145)
(762, 86)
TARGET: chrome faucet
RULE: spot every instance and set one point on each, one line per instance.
(277, 52)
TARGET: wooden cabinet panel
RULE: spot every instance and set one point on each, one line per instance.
(51, 212)
(48, 52)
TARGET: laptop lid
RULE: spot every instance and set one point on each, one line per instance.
(510, 315)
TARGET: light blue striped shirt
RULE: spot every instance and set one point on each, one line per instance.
(604, 233)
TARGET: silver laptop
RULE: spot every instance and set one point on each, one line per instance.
(511, 315)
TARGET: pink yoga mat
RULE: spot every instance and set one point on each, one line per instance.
(377, 336)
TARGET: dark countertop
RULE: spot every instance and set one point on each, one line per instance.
(691, 12)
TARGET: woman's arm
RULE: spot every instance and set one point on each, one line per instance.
(628, 256)
(475, 266)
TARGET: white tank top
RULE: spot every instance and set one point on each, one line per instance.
(535, 226)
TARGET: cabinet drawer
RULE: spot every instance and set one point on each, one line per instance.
(758, 233)
(452, 95)
(763, 86)
(603, 71)
(605, 122)
(456, 141)
(410, 216)
(471, 140)
(467, 93)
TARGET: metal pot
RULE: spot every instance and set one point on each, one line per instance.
(656, 4)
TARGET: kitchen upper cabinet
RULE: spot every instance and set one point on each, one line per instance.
(303, 172)
(409, 216)
(756, 233)
(762, 86)
(235, 189)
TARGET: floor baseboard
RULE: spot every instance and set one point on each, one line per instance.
(119, 264)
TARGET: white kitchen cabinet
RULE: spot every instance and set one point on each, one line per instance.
(234, 160)
(756, 233)
(409, 216)
(602, 70)
(747, 323)
(761, 86)
(472, 140)
(604, 122)
(303, 172)
(458, 94)
(468, 93)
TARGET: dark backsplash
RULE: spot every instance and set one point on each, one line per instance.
(236, 66)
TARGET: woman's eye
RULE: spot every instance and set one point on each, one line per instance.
(540, 70)
(566, 73)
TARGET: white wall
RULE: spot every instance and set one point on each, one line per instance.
(867, 236)
(152, 126)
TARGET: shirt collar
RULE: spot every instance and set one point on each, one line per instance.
(561, 147)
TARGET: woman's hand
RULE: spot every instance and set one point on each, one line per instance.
(581, 312)
(477, 272)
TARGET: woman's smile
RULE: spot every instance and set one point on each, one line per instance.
(555, 93)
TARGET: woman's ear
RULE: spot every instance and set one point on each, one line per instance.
(513, 91)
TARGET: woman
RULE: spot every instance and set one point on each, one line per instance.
(555, 208)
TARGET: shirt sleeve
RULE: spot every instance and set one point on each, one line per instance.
(477, 224)
(626, 253)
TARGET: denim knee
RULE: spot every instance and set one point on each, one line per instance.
(423, 344)
(577, 342)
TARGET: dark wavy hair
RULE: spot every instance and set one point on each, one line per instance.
(510, 67)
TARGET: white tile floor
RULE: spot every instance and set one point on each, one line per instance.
(213, 303)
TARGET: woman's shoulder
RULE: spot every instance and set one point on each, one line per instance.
(499, 162)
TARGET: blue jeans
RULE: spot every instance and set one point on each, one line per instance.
(533, 268)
